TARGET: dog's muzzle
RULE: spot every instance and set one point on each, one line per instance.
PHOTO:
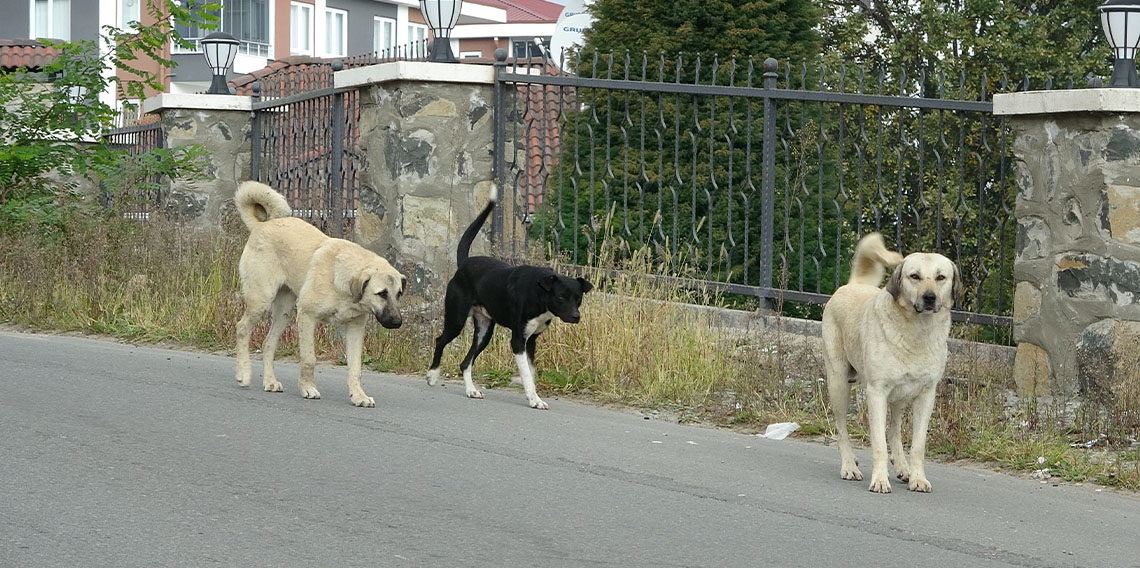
(929, 303)
(575, 318)
(389, 322)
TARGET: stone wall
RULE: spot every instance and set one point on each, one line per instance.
(428, 150)
(221, 124)
(426, 134)
(1077, 269)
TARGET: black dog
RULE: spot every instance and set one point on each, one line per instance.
(521, 298)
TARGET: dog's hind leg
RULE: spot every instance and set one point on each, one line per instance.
(306, 328)
(456, 309)
(280, 312)
(526, 370)
(256, 304)
(353, 350)
(898, 454)
(839, 395)
(484, 328)
(839, 372)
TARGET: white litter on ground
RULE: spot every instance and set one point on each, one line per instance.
(779, 430)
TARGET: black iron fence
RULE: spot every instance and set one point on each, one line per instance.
(305, 145)
(146, 197)
(753, 179)
(756, 179)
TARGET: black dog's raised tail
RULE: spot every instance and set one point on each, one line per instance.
(468, 237)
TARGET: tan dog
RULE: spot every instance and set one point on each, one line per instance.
(892, 341)
(288, 262)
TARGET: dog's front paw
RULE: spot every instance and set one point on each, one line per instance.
(902, 470)
(539, 404)
(919, 484)
(433, 377)
(274, 387)
(363, 401)
(880, 484)
(310, 392)
(851, 472)
(474, 393)
(243, 381)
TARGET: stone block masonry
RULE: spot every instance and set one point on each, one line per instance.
(1077, 268)
(428, 147)
(221, 124)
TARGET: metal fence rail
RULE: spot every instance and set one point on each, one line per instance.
(758, 179)
(136, 139)
(305, 145)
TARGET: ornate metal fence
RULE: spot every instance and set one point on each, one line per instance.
(136, 139)
(757, 179)
(305, 139)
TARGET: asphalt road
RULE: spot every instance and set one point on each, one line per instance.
(113, 455)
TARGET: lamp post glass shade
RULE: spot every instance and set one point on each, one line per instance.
(76, 94)
(220, 50)
(1121, 22)
(441, 16)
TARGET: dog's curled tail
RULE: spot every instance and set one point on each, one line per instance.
(257, 203)
(871, 260)
(468, 237)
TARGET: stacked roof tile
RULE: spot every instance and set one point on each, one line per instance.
(26, 53)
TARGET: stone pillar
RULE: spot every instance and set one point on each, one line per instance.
(221, 124)
(1077, 269)
(426, 134)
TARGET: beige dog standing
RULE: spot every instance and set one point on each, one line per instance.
(892, 341)
(288, 262)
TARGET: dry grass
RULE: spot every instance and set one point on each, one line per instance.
(160, 282)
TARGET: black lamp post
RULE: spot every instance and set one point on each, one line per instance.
(220, 50)
(75, 95)
(441, 16)
(1121, 22)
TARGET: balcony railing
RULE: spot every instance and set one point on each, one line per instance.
(245, 47)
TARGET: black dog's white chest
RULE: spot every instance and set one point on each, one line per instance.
(537, 324)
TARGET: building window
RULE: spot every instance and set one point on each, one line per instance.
(470, 54)
(336, 33)
(300, 29)
(246, 20)
(129, 13)
(528, 48)
(51, 19)
(383, 35)
(417, 39)
(128, 112)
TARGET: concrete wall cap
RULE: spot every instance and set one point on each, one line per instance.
(166, 101)
(1118, 100)
(414, 71)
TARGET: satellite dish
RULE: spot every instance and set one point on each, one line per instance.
(568, 36)
(571, 8)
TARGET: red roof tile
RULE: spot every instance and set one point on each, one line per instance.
(29, 53)
(520, 11)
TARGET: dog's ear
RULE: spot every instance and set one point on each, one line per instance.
(403, 285)
(359, 285)
(894, 285)
(586, 286)
(547, 282)
(959, 287)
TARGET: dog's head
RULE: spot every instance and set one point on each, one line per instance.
(378, 287)
(926, 282)
(564, 296)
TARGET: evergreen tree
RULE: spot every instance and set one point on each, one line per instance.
(784, 29)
